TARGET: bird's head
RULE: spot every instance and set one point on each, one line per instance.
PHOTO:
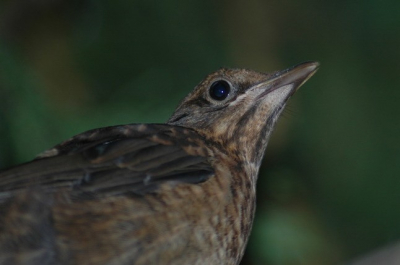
(238, 108)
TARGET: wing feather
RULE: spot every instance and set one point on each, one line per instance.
(114, 161)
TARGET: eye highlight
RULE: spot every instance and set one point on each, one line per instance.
(219, 90)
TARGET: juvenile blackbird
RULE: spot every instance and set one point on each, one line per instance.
(182, 192)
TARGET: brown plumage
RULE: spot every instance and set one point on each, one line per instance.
(176, 193)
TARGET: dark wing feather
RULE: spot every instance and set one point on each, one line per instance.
(113, 161)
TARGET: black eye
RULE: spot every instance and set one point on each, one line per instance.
(219, 90)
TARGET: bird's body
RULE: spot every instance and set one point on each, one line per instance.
(175, 193)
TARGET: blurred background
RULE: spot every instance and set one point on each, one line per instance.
(329, 188)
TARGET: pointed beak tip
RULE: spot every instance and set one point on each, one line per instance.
(306, 68)
(302, 72)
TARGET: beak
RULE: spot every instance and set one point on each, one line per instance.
(296, 76)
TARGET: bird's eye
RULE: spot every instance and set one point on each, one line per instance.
(219, 90)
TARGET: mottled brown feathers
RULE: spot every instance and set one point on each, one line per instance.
(176, 193)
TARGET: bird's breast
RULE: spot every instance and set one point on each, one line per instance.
(205, 223)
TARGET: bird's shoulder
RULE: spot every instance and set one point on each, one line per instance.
(109, 161)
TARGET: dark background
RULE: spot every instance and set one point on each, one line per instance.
(329, 188)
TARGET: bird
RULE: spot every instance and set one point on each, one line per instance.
(180, 192)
